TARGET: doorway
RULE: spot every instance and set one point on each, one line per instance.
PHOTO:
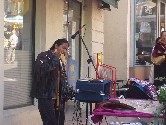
(72, 14)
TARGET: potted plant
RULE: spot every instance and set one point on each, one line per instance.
(162, 95)
(162, 98)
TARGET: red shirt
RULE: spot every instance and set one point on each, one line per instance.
(159, 49)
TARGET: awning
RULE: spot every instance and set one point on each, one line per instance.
(114, 3)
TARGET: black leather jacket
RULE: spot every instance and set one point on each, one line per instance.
(45, 79)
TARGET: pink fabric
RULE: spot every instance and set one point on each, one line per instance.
(98, 114)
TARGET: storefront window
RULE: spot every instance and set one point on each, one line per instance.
(17, 52)
(146, 30)
(72, 21)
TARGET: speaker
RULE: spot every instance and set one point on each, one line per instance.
(136, 93)
(92, 91)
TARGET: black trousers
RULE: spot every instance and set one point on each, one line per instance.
(160, 74)
(160, 70)
(49, 114)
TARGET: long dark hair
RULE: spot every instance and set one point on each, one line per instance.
(157, 40)
(58, 43)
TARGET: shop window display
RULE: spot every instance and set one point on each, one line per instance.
(146, 30)
(13, 21)
(18, 53)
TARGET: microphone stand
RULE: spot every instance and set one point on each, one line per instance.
(90, 57)
(88, 61)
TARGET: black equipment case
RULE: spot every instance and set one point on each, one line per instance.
(92, 91)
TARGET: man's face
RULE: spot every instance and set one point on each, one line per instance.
(62, 49)
(163, 37)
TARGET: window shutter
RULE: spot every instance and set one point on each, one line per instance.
(18, 62)
(17, 81)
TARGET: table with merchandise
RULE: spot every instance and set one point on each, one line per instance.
(128, 112)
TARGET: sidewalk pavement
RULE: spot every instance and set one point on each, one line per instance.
(74, 116)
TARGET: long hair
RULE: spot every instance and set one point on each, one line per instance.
(58, 43)
(157, 40)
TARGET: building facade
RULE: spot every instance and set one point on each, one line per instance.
(131, 32)
(32, 26)
(38, 23)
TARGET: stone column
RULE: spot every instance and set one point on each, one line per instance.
(49, 23)
(97, 31)
(54, 21)
(93, 34)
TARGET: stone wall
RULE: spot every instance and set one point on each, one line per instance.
(116, 33)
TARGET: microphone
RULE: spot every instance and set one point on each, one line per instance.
(78, 31)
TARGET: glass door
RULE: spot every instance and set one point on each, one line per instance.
(18, 52)
(145, 30)
(150, 22)
(72, 22)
